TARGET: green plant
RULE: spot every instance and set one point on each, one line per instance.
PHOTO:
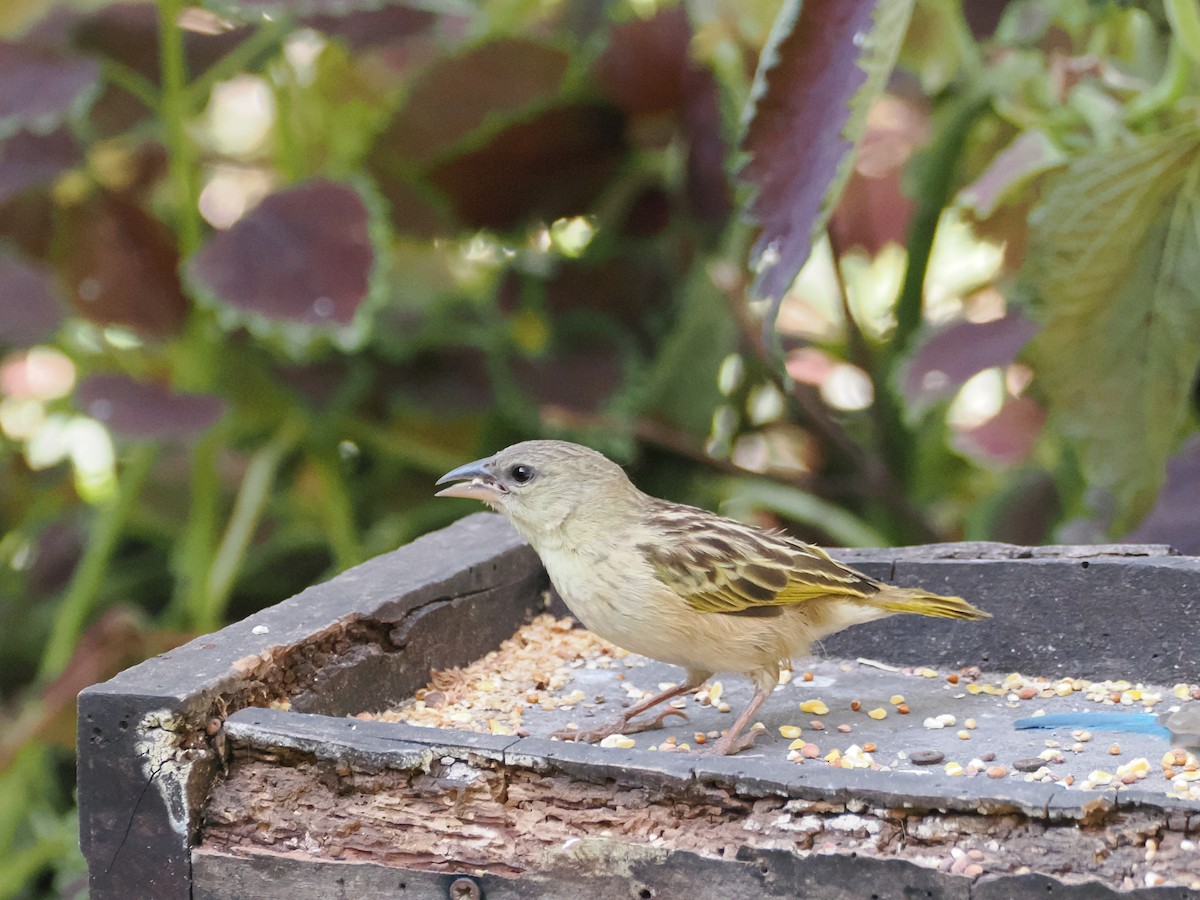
(266, 270)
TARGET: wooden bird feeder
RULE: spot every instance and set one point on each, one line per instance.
(236, 766)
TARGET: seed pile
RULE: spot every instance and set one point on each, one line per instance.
(541, 668)
(532, 668)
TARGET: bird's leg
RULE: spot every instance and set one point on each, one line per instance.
(733, 741)
(623, 725)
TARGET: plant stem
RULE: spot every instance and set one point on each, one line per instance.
(337, 512)
(1184, 16)
(933, 195)
(195, 549)
(85, 584)
(247, 510)
(240, 59)
(132, 82)
(1169, 87)
(173, 111)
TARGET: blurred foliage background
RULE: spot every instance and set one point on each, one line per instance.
(267, 269)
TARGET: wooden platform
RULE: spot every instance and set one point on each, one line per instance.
(192, 784)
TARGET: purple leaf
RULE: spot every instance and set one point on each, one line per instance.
(374, 27)
(1008, 436)
(550, 166)
(630, 289)
(303, 255)
(1031, 154)
(136, 410)
(41, 86)
(709, 195)
(1175, 517)
(643, 67)
(29, 160)
(454, 97)
(963, 349)
(254, 9)
(647, 70)
(874, 210)
(580, 380)
(826, 61)
(129, 34)
(29, 307)
(121, 266)
(27, 223)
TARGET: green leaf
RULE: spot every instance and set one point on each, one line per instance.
(681, 384)
(845, 528)
(1116, 267)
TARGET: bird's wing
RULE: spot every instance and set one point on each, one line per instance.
(717, 565)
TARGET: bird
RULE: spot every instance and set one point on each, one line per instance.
(676, 583)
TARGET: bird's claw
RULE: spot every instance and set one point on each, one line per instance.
(585, 736)
(730, 744)
(621, 726)
(652, 724)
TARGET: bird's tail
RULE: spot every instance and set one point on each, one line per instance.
(923, 603)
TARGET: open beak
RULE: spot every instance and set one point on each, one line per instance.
(477, 482)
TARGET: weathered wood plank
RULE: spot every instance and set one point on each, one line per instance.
(144, 759)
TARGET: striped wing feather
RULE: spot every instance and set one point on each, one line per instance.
(718, 565)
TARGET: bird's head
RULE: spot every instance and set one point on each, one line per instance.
(541, 485)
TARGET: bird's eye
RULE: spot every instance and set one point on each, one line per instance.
(521, 474)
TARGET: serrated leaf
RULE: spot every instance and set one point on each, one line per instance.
(1115, 263)
(41, 86)
(303, 255)
(825, 63)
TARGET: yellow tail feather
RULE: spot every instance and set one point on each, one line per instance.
(921, 603)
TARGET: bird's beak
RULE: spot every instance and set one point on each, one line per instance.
(478, 482)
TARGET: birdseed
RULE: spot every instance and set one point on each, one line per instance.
(538, 672)
(618, 741)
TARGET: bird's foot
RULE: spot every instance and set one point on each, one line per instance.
(731, 742)
(620, 726)
(655, 723)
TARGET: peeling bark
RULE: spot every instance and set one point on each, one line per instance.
(481, 816)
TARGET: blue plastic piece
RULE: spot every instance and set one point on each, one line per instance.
(1128, 723)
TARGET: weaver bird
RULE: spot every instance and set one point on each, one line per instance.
(677, 583)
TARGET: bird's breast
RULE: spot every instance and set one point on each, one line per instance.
(613, 594)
